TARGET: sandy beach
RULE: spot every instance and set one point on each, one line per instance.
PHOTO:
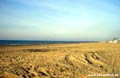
(80, 60)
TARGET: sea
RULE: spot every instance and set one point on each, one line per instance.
(37, 42)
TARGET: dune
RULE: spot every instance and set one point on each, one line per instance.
(79, 60)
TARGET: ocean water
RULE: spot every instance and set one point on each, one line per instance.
(30, 42)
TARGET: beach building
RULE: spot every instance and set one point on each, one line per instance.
(114, 41)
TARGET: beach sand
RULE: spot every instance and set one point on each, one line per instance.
(80, 60)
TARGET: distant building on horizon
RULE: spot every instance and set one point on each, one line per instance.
(114, 41)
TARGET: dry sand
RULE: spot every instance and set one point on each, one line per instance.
(60, 60)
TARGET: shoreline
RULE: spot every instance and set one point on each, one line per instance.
(32, 42)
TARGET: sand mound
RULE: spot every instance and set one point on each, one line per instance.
(95, 60)
(43, 71)
(8, 75)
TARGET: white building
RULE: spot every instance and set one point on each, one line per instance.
(110, 41)
(114, 41)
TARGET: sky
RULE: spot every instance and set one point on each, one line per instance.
(63, 20)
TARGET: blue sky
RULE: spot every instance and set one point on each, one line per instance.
(59, 19)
